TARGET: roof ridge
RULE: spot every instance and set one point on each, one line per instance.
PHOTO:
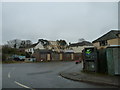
(107, 36)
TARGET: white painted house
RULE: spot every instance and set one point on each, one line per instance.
(45, 44)
(34, 46)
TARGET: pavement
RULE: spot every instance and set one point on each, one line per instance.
(79, 75)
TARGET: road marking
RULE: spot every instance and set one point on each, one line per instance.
(9, 75)
(22, 85)
(10, 72)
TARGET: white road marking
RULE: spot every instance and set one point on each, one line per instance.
(22, 85)
(10, 72)
(9, 75)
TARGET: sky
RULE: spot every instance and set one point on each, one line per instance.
(57, 20)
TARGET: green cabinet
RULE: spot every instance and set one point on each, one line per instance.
(90, 59)
(102, 61)
(113, 60)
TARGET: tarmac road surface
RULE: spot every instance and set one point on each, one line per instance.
(42, 75)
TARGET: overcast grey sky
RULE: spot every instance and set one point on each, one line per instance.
(55, 20)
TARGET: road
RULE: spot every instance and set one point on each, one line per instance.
(41, 75)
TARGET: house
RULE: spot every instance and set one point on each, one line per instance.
(44, 49)
(48, 50)
(37, 45)
(112, 38)
(78, 47)
(55, 46)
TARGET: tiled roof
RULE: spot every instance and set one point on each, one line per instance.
(110, 35)
(33, 45)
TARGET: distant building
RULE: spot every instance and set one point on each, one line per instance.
(112, 38)
(45, 45)
(33, 47)
(55, 46)
(78, 47)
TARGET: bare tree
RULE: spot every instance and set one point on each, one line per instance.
(16, 43)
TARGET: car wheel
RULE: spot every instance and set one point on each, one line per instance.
(76, 62)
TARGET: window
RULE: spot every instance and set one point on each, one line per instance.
(103, 43)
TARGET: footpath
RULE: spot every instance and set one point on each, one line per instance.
(76, 74)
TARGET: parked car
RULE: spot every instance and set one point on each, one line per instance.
(17, 59)
(77, 61)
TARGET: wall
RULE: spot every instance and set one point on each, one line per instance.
(56, 56)
(77, 56)
(37, 56)
(61, 56)
(102, 61)
(77, 49)
(116, 58)
(118, 35)
(110, 42)
(29, 50)
(48, 57)
(68, 56)
(114, 41)
(97, 44)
